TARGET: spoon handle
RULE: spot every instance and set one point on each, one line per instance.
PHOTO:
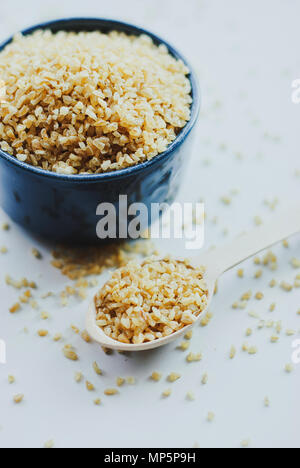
(246, 245)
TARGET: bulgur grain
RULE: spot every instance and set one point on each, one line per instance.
(232, 353)
(278, 327)
(57, 337)
(85, 336)
(69, 353)
(97, 368)
(270, 259)
(49, 444)
(289, 368)
(258, 274)
(173, 377)
(204, 379)
(36, 253)
(286, 286)
(188, 335)
(274, 339)
(245, 443)
(267, 402)
(156, 376)
(89, 386)
(258, 221)
(194, 357)
(120, 381)
(190, 396)
(18, 398)
(226, 200)
(111, 391)
(131, 380)
(78, 377)
(184, 345)
(261, 325)
(246, 296)
(295, 262)
(167, 393)
(75, 329)
(24, 299)
(253, 314)
(206, 319)
(240, 273)
(15, 308)
(259, 296)
(142, 303)
(11, 379)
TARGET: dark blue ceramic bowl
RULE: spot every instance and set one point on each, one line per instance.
(63, 208)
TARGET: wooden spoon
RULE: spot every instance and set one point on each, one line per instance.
(216, 262)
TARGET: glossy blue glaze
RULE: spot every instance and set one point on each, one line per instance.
(63, 208)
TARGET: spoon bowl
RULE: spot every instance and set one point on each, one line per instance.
(98, 334)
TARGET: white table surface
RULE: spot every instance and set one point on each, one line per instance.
(247, 55)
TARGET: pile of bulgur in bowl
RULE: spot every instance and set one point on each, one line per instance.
(90, 102)
(56, 158)
(152, 300)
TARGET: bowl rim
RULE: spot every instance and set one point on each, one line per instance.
(132, 170)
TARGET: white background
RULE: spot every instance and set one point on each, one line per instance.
(247, 55)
